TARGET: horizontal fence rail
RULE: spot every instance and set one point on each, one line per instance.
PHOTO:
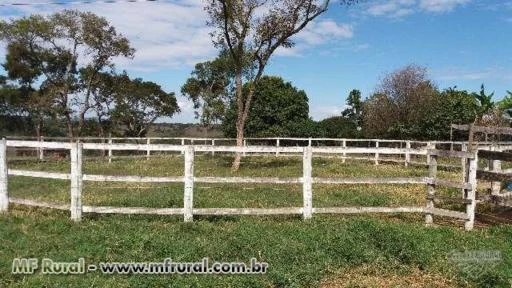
(77, 177)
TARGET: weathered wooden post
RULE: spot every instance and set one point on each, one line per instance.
(188, 198)
(495, 166)
(471, 193)
(407, 153)
(110, 154)
(41, 149)
(429, 146)
(4, 193)
(148, 151)
(431, 187)
(307, 187)
(277, 146)
(76, 181)
(344, 144)
(376, 152)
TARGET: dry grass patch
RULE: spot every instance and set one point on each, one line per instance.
(378, 277)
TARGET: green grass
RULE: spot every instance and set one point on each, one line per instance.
(300, 253)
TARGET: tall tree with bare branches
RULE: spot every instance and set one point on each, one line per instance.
(252, 30)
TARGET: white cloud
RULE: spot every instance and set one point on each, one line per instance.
(174, 34)
(494, 73)
(401, 8)
(318, 33)
(441, 6)
(164, 34)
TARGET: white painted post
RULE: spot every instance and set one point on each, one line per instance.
(245, 144)
(495, 166)
(429, 146)
(188, 197)
(182, 144)
(148, 152)
(407, 153)
(377, 153)
(309, 142)
(213, 144)
(76, 181)
(431, 188)
(41, 149)
(277, 145)
(344, 153)
(110, 149)
(307, 188)
(4, 194)
(471, 194)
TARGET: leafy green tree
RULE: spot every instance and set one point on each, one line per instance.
(251, 31)
(136, 104)
(451, 106)
(485, 103)
(505, 105)
(60, 57)
(276, 110)
(355, 106)
(339, 127)
(210, 89)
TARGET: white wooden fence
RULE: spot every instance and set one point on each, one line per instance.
(408, 148)
(188, 179)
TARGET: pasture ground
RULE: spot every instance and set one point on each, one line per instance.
(329, 250)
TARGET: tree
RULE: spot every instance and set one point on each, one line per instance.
(354, 110)
(505, 105)
(485, 105)
(134, 104)
(60, 57)
(277, 108)
(400, 103)
(339, 127)
(209, 88)
(251, 31)
(451, 106)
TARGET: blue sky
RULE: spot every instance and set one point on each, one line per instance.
(461, 42)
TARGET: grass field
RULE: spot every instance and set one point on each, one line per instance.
(329, 251)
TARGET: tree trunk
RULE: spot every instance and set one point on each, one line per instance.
(240, 123)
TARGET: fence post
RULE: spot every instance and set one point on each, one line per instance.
(110, 149)
(377, 153)
(309, 141)
(429, 146)
(344, 153)
(4, 193)
(41, 149)
(213, 145)
(76, 181)
(245, 144)
(188, 198)
(495, 166)
(277, 146)
(431, 188)
(182, 144)
(407, 153)
(471, 193)
(307, 188)
(148, 152)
